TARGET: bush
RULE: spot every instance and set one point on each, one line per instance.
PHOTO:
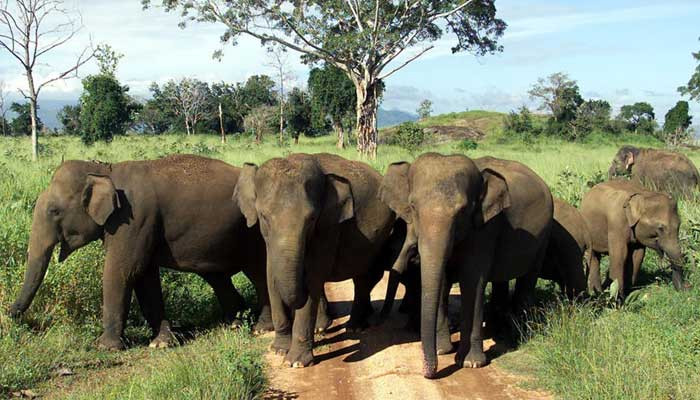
(467, 145)
(410, 136)
(519, 122)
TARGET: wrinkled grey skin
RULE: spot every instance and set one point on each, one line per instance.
(625, 219)
(174, 212)
(486, 220)
(656, 169)
(322, 221)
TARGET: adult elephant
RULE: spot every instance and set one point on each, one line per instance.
(488, 219)
(625, 219)
(656, 169)
(322, 221)
(174, 212)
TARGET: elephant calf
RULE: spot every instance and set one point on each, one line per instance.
(175, 212)
(625, 219)
(569, 250)
(657, 169)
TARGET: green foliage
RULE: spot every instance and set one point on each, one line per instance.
(692, 88)
(22, 122)
(519, 122)
(678, 118)
(69, 117)
(467, 145)
(639, 117)
(107, 59)
(298, 112)
(591, 115)
(332, 95)
(410, 136)
(425, 109)
(106, 109)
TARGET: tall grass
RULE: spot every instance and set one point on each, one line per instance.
(580, 351)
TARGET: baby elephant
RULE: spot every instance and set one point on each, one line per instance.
(569, 250)
(624, 219)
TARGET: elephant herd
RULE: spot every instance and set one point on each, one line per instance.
(294, 223)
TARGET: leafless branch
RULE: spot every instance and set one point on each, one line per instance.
(413, 58)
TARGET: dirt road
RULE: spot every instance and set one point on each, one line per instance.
(383, 363)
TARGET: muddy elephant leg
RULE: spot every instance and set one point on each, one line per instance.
(637, 259)
(361, 305)
(150, 296)
(301, 351)
(471, 349)
(618, 259)
(594, 283)
(323, 318)
(230, 300)
(257, 276)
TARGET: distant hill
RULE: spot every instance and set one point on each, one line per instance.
(386, 118)
(474, 125)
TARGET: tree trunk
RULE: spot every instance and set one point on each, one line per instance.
(187, 126)
(338, 128)
(221, 124)
(366, 118)
(281, 116)
(32, 113)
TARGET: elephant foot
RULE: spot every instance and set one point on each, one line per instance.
(444, 345)
(299, 357)
(281, 344)
(323, 322)
(165, 338)
(356, 326)
(474, 359)
(262, 326)
(110, 342)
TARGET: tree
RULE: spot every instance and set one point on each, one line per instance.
(368, 40)
(332, 96)
(692, 88)
(3, 109)
(106, 109)
(69, 117)
(278, 60)
(558, 94)
(260, 121)
(107, 59)
(676, 123)
(425, 109)
(639, 117)
(30, 30)
(590, 115)
(22, 123)
(298, 113)
(190, 99)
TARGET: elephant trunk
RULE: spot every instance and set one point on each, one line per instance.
(42, 241)
(286, 260)
(675, 255)
(435, 248)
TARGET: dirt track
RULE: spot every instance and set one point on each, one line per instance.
(383, 363)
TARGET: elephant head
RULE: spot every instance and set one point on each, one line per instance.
(295, 203)
(71, 212)
(654, 222)
(442, 199)
(623, 161)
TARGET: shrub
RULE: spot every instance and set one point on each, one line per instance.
(467, 145)
(410, 136)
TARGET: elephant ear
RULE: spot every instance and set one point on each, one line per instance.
(394, 190)
(633, 209)
(339, 204)
(629, 160)
(100, 198)
(244, 193)
(495, 197)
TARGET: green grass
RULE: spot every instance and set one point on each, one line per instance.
(649, 349)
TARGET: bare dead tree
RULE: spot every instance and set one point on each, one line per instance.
(31, 29)
(278, 60)
(190, 99)
(3, 110)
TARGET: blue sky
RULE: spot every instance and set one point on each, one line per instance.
(622, 51)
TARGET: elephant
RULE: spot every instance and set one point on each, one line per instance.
(656, 169)
(322, 221)
(569, 250)
(174, 212)
(625, 219)
(481, 220)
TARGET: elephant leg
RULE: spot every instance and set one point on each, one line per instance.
(443, 339)
(323, 319)
(362, 305)
(116, 298)
(230, 300)
(618, 260)
(150, 296)
(281, 320)
(300, 353)
(637, 259)
(471, 349)
(525, 286)
(594, 284)
(257, 276)
(500, 307)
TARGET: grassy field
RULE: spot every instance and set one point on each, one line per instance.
(649, 349)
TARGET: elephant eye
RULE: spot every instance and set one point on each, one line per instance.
(53, 211)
